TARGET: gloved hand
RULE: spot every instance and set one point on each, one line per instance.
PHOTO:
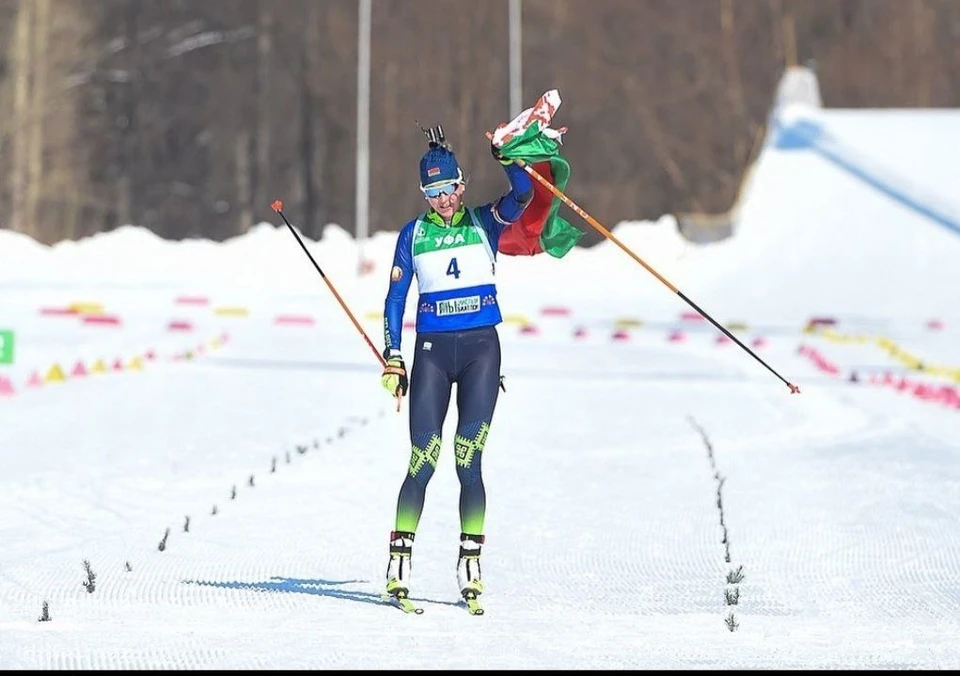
(394, 377)
(495, 151)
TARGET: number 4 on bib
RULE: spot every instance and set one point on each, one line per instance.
(452, 269)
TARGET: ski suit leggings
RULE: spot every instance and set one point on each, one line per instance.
(471, 359)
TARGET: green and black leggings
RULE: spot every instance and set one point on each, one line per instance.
(471, 359)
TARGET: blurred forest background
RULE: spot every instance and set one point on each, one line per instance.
(189, 117)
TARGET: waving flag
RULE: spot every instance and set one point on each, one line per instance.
(530, 138)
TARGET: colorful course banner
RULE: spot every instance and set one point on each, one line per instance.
(6, 346)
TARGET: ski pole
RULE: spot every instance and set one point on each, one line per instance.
(278, 207)
(794, 389)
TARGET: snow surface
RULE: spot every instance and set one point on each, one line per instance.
(630, 481)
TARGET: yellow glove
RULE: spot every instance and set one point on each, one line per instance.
(495, 151)
(394, 377)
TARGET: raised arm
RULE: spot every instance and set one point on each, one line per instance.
(510, 206)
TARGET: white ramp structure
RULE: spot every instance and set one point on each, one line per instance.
(858, 208)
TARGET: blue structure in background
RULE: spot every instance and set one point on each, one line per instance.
(808, 135)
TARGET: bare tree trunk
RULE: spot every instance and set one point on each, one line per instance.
(776, 19)
(734, 85)
(242, 164)
(923, 43)
(264, 104)
(35, 179)
(72, 209)
(129, 176)
(21, 114)
(789, 40)
(307, 122)
(316, 56)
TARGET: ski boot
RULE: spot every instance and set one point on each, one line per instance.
(468, 566)
(398, 570)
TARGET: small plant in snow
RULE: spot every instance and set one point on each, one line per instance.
(91, 582)
(163, 542)
(732, 596)
(735, 576)
(186, 524)
(44, 613)
(731, 622)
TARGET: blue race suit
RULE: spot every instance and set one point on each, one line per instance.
(457, 341)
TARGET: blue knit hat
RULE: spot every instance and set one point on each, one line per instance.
(439, 166)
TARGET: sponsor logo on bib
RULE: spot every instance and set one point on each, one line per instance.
(458, 306)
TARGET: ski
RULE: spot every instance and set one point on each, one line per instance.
(473, 604)
(403, 603)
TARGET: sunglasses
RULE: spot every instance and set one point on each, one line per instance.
(448, 189)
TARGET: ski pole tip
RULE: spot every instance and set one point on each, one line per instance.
(794, 389)
(277, 206)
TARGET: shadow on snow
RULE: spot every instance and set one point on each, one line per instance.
(335, 589)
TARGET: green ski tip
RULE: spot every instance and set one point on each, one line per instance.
(403, 603)
(473, 604)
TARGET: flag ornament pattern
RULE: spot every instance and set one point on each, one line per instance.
(529, 137)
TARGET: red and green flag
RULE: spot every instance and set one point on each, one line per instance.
(530, 138)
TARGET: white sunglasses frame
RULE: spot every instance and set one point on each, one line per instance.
(442, 190)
